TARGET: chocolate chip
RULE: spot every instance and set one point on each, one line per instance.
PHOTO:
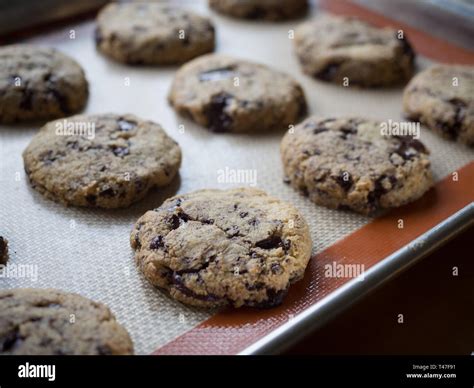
(254, 221)
(349, 129)
(138, 243)
(157, 242)
(379, 190)
(329, 72)
(217, 74)
(407, 49)
(243, 214)
(26, 102)
(254, 287)
(218, 119)
(3, 249)
(120, 151)
(48, 157)
(270, 242)
(276, 268)
(91, 199)
(98, 36)
(409, 147)
(125, 125)
(109, 193)
(10, 340)
(274, 298)
(104, 350)
(74, 145)
(345, 181)
(178, 283)
(452, 130)
(232, 231)
(176, 220)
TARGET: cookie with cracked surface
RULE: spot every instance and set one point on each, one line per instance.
(331, 48)
(272, 10)
(3, 250)
(227, 94)
(38, 322)
(346, 163)
(215, 248)
(152, 34)
(442, 98)
(38, 83)
(106, 161)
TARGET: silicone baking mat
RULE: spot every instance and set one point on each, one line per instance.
(87, 251)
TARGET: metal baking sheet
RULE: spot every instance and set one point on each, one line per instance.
(87, 250)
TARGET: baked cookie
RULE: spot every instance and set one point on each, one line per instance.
(346, 163)
(227, 94)
(38, 83)
(261, 9)
(152, 34)
(52, 322)
(3, 250)
(106, 160)
(214, 248)
(442, 98)
(332, 48)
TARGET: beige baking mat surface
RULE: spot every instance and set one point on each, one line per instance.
(87, 251)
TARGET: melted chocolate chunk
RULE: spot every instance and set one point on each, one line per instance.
(157, 242)
(218, 119)
(120, 151)
(350, 129)
(345, 181)
(276, 268)
(125, 125)
(52, 86)
(452, 130)
(176, 220)
(374, 196)
(217, 74)
(274, 298)
(178, 283)
(409, 147)
(270, 242)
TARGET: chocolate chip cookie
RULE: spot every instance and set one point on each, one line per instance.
(337, 49)
(227, 94)
(346, 163)
(153, 34)
(214, 248)
(442, 98)
(261, 9)
(52, 322)
(38, 83)
(106, 161)
(3, 250)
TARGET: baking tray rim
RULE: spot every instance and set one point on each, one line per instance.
(344, 296)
